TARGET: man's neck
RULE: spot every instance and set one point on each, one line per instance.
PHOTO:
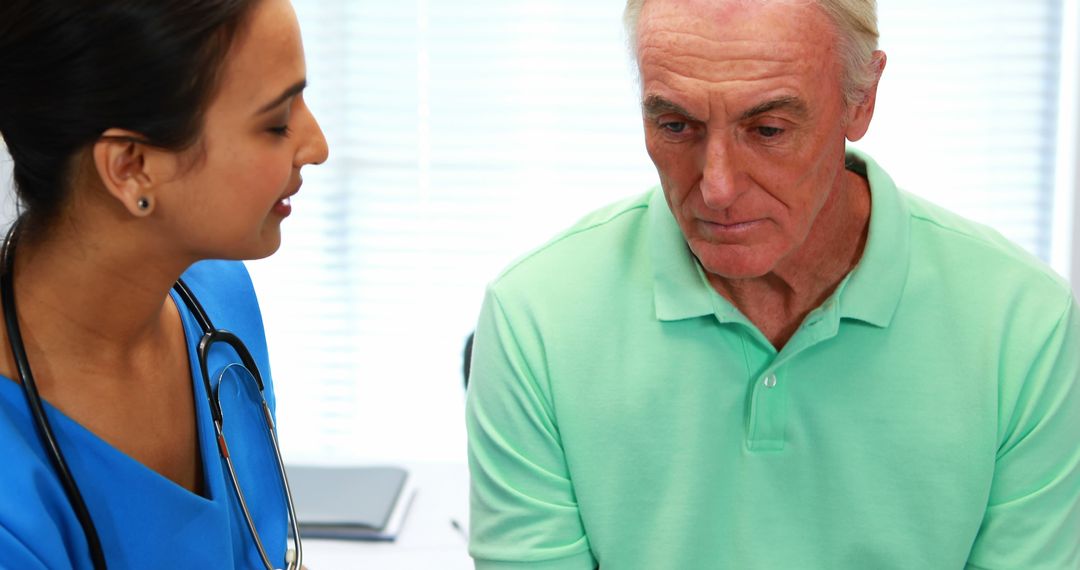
(777, 303)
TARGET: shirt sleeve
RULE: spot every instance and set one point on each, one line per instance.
(1032, 519)
(524, 513)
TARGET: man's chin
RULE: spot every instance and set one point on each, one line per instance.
(734, 262)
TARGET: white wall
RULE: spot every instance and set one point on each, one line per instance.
(1065, 255)
(7, 191)
(1069, 155)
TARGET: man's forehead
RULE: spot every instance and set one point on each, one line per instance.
(699, 23)
(746, 48)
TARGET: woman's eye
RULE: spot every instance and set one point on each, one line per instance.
(281, 130)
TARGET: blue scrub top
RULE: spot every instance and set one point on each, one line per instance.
(145, 520)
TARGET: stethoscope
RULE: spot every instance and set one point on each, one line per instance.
(210, 336)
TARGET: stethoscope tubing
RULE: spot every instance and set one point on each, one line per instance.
(210, 335)
(37, 409)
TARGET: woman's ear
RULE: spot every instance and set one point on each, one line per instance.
(127, 169)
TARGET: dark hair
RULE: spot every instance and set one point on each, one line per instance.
(71, 69)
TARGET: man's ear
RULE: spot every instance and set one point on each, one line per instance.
(859, 115)
(127, 170)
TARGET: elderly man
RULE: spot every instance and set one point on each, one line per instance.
(779, 360)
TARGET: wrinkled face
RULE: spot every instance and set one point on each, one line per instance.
(258, 133)
(746, 124)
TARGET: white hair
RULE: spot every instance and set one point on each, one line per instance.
(856, 24)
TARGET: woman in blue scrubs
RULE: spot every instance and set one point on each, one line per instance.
(151, 139)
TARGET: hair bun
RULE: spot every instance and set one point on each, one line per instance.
(70, 70)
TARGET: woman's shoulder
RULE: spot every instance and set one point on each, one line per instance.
(218, 277)
(225, 291)
(17, 435)
(33, 519)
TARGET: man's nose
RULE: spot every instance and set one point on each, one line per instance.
(721, 183)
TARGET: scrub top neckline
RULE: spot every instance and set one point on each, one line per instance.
(207, 454)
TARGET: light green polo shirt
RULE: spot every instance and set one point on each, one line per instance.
(621, 413)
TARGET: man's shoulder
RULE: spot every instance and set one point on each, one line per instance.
(950, 254)
(592, 245)
(977, 255)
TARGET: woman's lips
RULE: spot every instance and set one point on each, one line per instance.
(283, 207)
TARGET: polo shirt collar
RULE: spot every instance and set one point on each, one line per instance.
(679, 291)
(873, 289)
(870, 293)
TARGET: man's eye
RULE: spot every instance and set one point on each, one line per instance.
(769, 132)
(675, 127)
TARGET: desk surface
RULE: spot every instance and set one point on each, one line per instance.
(428, 538)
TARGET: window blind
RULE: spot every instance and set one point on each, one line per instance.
(967, 113)
(464, 134)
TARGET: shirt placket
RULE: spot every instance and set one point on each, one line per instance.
(769, 389)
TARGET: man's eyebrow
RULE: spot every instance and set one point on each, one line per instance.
(793, 104)
(292, 91)
(655, 105)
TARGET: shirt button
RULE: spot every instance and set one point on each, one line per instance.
(770, 382)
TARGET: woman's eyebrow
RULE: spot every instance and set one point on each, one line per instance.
(292, 91)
